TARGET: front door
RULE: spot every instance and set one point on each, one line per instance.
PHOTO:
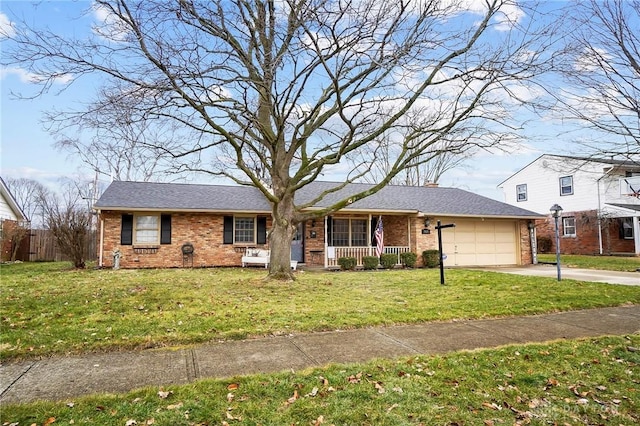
(297, 244)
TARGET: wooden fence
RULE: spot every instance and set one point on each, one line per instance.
(42, 247)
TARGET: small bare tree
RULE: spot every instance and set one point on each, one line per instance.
(70, 222)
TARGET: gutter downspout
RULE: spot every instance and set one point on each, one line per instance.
(100, 255)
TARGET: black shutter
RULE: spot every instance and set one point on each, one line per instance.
(374, 225)
(262, 230)
(228, 230)
(329, 231)
(165, 229)
(126, 230)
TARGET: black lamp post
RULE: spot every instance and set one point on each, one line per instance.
(556, 211)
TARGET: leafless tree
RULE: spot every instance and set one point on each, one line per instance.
(70, 221)
(279, 93)
(28, 193)
(601, 71)
(421, 173)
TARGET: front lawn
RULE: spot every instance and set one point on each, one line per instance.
(587, 382)
(49, 309)
(606, 263)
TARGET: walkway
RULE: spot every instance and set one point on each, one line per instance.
(592, 275)
(63, 378)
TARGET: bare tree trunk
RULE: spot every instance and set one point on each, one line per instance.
(280, 238)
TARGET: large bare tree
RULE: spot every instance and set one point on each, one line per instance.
(601, 69)
(277, 94)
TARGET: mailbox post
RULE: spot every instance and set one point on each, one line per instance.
(439, 227)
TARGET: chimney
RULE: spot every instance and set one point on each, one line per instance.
(431, 184)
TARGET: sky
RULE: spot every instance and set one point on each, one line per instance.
(27, 149)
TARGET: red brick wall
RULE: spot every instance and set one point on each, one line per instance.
(203, 230)
(586, 240)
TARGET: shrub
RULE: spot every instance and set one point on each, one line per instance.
(544, 244)
(347, 263)
(370, 262)
(408, 259)
(388, 260)
(431, 258)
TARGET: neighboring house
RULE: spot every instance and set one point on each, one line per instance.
(147, 224)
(599, 198)
(11, 215)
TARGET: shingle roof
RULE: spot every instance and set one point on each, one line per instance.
(191, 197)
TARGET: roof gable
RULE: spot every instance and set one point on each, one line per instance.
(141, 196)
(12, 204)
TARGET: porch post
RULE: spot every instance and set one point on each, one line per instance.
(636, 234)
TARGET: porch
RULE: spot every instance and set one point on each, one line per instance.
(334, 253)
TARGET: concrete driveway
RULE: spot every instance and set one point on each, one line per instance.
(545, 270)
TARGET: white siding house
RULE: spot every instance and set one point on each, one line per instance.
(600, 201)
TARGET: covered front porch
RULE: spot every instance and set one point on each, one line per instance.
(354, 235)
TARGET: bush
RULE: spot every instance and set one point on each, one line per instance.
(370, 262)
(347, 263)
(408, 259)
(544, 244)
(431, 258)
(388, 260)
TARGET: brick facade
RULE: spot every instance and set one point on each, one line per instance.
(205, 232)
(586, 240)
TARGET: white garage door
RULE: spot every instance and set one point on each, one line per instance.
(480, 243)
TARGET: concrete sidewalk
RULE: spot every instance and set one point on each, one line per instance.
(63, 378)
(591, 275)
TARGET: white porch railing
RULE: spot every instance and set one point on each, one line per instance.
(360, 252)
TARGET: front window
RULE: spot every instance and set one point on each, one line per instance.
(566, 185)
(521, 192)
(569, 226)
(147, 230)
(626, 228)
(244, 230)
(349, 233)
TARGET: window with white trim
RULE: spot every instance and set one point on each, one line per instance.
(146, 229)
(569, 226)
(244, 230)
(349, 232)
(521, 192)
(566, 185)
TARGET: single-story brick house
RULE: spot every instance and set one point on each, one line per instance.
(148, 224)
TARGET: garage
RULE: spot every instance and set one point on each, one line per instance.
(481, 242)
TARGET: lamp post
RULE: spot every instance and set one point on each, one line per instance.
(556, 211)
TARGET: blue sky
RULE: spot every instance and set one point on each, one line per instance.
(27, 149)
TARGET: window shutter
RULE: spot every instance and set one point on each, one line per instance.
(262, 230)
(126, 230)
(374, 225)
(165, 229)
(329, 231)
(228, 230)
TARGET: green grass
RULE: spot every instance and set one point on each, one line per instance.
(607, 263)
(48, 309)
(591, 381)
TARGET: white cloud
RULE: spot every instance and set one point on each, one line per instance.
(108, 25)
(28, 77)
(6, 27)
